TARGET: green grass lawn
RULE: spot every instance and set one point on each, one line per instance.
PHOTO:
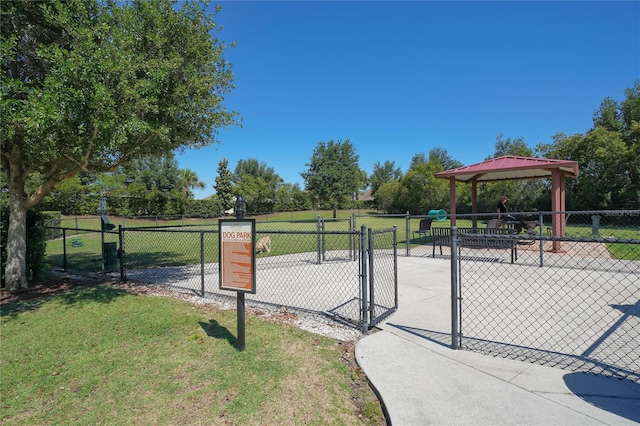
(99, 355)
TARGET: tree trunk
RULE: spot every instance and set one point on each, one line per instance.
(16, 267)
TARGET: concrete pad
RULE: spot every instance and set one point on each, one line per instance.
(420, 386)
(422, 380)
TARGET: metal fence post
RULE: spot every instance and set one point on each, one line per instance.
(318, 240)
(354, 236)
(372, 277)
(364, 307)
(64, 249)
(102, 249)
(323, 239)
(407, 229)
(395, 265)
(352, 242)
(202, 263)
(455, 296)
(540, 233)
(123, 277)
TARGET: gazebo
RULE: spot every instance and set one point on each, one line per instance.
(511, 167)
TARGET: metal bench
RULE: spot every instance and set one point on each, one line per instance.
(478, 238)
(440, 236)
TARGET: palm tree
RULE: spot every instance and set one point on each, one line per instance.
(189, 180)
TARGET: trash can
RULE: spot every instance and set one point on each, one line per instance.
(595, 225)
(438, 215)
(110, 253)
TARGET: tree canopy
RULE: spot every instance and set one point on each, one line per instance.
(151, 186)
(89, 85)
(387, 172)
(257, 183)
(608, 156)
(333, 176)
(224, 185)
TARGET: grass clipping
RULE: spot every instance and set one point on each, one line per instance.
(101, 355)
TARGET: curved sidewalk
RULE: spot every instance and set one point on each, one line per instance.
(421, 381)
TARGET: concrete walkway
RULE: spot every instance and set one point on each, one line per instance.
(421, 381)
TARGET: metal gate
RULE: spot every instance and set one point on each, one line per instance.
(382, 276)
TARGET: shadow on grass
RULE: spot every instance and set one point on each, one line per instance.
(68, 295)
(85, 261)
(214, 329)
(139, 260)
(88, 261)
(98, 293)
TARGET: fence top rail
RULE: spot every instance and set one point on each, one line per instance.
(382, 215)
(604, 240)
(287, 221)
(383, 231)
(166, 229)
(546, 213)
(258, 231)
(269, 231)
(504, 233)
(66, 228)
(170, 226)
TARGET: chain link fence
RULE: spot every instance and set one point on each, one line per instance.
(317, 266)
(571, 301)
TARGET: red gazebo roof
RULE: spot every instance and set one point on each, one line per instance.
(510, 167)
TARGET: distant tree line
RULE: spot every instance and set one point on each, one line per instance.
(608, 156)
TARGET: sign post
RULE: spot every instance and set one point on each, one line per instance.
(238, 261)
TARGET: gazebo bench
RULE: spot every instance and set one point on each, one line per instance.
(477, 238)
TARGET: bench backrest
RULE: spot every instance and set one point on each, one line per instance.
(425, 225)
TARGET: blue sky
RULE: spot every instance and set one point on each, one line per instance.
(401, 78)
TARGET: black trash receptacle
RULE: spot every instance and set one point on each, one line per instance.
(110, 253)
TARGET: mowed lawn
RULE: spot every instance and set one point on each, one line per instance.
(98, 354)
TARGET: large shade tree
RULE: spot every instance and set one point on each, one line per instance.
(88, 85)
(257, 169)
(333, 176)
(257, 183)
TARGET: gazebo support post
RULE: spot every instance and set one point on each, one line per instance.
(557, 205)
(452, 199)
(474, 204)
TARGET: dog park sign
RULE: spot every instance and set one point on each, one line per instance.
(237, 240)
